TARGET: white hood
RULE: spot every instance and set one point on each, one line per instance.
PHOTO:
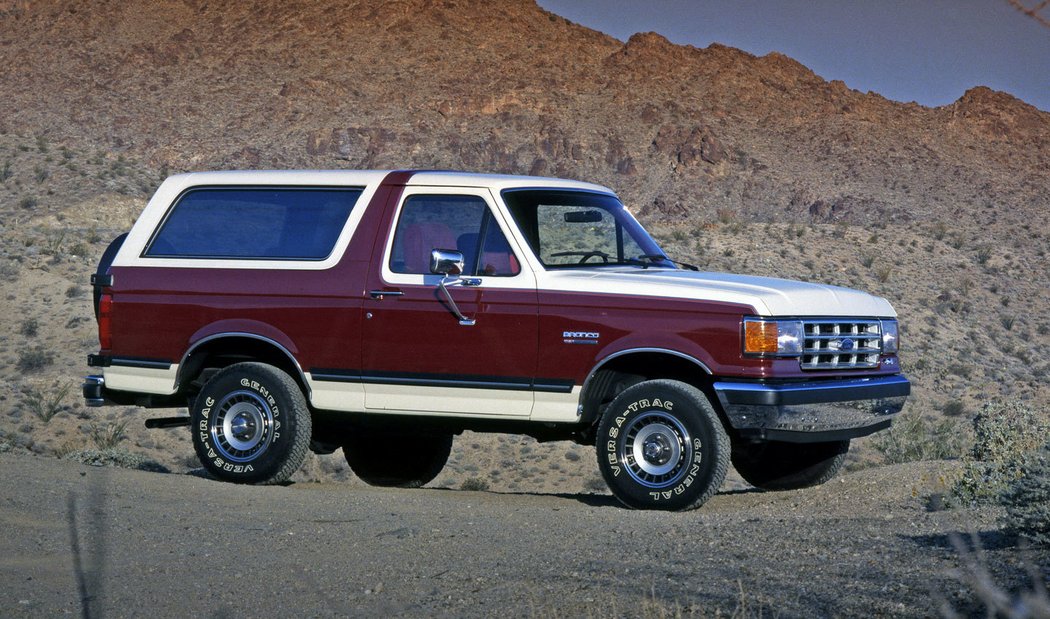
(768, 295)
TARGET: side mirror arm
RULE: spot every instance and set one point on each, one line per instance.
(443, 286)
(450, 264)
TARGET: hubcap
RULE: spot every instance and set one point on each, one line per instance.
(241, 426)
(656, 449)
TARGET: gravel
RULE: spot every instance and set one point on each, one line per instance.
(181, 545)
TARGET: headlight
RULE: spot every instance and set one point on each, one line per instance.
(890, 337)
(772, 337)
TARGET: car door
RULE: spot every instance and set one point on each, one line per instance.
(419, 356)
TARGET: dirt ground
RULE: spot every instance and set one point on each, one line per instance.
(133, 543)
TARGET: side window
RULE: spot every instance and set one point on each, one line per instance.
(459, 223)
(272, 223)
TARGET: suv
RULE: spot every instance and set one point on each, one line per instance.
(385, 312)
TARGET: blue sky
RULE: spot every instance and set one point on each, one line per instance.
(929, 51)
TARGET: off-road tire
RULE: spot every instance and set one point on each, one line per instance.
(397, 459)
(774, 465)
(661, 445)
(251, 424)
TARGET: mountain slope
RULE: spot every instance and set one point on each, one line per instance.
(505, 87)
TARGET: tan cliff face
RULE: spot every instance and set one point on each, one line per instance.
(736, 162)
(501, 87)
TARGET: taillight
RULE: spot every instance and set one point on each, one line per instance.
(105, 321)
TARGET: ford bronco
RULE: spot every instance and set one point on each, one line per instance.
(385, 312)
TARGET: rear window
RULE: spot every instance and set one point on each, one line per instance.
(271, 223)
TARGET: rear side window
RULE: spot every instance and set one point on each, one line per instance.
(271, 223)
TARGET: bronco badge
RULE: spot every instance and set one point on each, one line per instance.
(580, 337)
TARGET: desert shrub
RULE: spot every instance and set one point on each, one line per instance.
(79, 250)
(1005, 436)
(1027, 499)
(572, 456)
(475, 484)
(40, 174)
(10, 270)
(45, 403)
(984, 254)
(725, 215)
(596, 484)
(108, 436)
(5, 171)
(914, 437)
(35, 358)
(27, 202)
(884, 273)
(54, 242)
(29, 327)
(115, 457)
(74, 291)
(953, 408)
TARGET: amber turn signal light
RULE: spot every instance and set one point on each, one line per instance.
(760, 337)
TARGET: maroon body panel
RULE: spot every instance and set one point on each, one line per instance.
(159, 313)
(418, 334)
(707, 331)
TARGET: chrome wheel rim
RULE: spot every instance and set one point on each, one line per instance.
(656, 450)
(241, 426)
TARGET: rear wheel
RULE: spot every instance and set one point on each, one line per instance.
(775, 465)
(397, 459)
(251, 424)
(662, 446)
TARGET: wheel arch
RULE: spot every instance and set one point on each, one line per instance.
(624, 368)
(223, 349)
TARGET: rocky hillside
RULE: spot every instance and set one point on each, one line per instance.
(508, 87)
(741, 163)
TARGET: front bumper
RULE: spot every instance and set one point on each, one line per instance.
(813, 411)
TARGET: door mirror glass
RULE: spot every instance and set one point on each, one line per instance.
(583, 217)
(446, 262)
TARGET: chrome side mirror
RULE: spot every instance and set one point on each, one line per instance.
(450, 264)
(446, 262)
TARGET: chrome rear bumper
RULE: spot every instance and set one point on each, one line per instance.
(94, 388)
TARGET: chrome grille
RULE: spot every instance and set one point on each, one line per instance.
(843, 344)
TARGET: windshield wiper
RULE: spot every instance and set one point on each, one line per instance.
(662, 258)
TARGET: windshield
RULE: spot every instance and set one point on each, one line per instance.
(581, 229)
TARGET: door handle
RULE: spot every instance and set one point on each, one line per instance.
(381, 294)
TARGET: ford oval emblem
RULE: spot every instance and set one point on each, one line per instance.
(847, 344)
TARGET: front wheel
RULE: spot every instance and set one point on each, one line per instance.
(662, 446)
(251, 424)
(774, 465)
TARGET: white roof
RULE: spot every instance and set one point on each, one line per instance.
(442, 178)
